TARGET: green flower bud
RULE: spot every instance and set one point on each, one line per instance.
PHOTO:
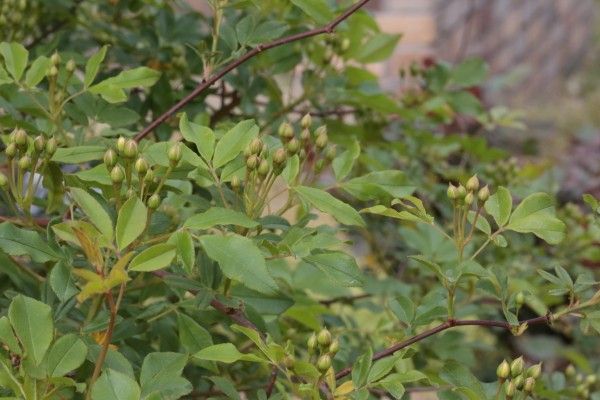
(117, 174)
(473, 184)
(141, 166)
(39, 143)
(520, 299)
(70, 65)
(312, 343)
(293, 146)
(324, 363)
(570, 371)
(131, 149)
(51, 146)
(154, 202)
(175, 153)
(130, 193)
(591, 379)
(535, 371)
(452, 192)
(11, 151)
(302, 154)
(306, 121)
(579, 378)
(324, 338)
(53, 71)
(469, 198)
(319, 165)
(462, 192)
(55, 59)
(305, 136)
(322, 130)
(321, 141)
(510, 389)
(255, 146)
(279, 157)
(516, 367)
(110, 158)
(286, 132)
(149, 177)
(21, 137)
(247, 152)
(252, 162)
(3, 180)
(263, 168)
(331, 153)
(264, 150)
(519, 382)
(345, 45)
(236, 183)
(503, 370)
(25, 162)
(121, 144)
(289, 362)
(529, 385)
(483, 195)
(334, 347)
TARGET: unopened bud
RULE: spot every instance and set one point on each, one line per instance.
(110, 159)
(263, 168)
(503, 370)
(53, 71)
(324, 338)
(149, 177)
(469, 198)
(39, 143)
(289, 362)
(55, 59)
(286, 132)
(117, 175)
(3, 180)
(484, 194)
(570, 371)
(51, 146)
(121, 144)
(519, 382)
(306, 121)
(334, 347)
(535, 371)
(516, 367)
(510, 389)
(324, 363)
(293, 146)
(21, 137)
(252, 162)
(520, 299)
(312, 343)
(175, 153)
(591, 379)
(305, 136)
(321, 141)
(70, 65)
(462, 192)
(473, 184)
(256, 146)
(25, 162)
(331, 153)
(154, 202)
(452, 192)
(322, 130)
(345, 45)
(529, 385)
(279, 157)
(319, 165)
(11, 151)
(131, 149)
(141, 166)
(235, 182)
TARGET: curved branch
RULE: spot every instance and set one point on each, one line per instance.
(206, 83)
(451, 323)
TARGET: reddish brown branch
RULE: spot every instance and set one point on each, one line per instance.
(440, 328)
(205, 84)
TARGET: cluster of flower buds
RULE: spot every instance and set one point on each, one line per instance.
(256, 159)
(584, 383)
(503, 172)
(125, 159)
(324, 347)
(468, 193)
(516, 379)
(19, 19)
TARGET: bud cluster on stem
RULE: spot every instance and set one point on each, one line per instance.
(322, 347)
(516, 379)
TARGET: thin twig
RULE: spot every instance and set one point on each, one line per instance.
(205, 84)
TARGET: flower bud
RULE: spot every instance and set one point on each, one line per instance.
(25, 162)
(462, 192)
(483, 195)
(503, 370)
(330, 153)
(154, 202)
(345, 45)
(321, 141)
(334, 347)
(519, 382)
(324, 363)
(252, 162)
(263, 168)
(110, 158)
(473, 184)
(149, 177)
(70, 65)
(286, 132)
(516, 367)
(529, 385)
(469, 198)
(312, 343)
(141, 166)
(11, 151)
(236, 183)
(520, 299)
(452, 192)
(510, 389)
(264, 150)
(20, 137)
(305, 136)
(130, 193)
(279, 157)
(121, 144)
(117, 174)
(39, 143)
(51, 146)
(3, 180)
(293, 146)
(322, 130)
(591, 379)
(570, 371)
(55, 59)
(131, 149)
(306, 121)
(289, 362)
(53, 71)
(302, 154)
(324, 337)
(535, 371)
(579, 378)
(256, 146)
(175, 153)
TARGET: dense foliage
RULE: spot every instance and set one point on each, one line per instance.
(291, 231)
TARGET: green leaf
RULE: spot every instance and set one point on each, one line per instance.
(291, 170)
(339, 267)
(535, 214)
(93, 65)
(460, 376)
(22, 242)
(382, 367)
(202, 136)
(192, 336)
(240, 260)
(325, 202)
(113, 385)
(95, 212)
(482, 224)
(226, 386)
(161, 376)
(377, 48)
(37, 71)
(67, 354)
(219, 216)
(137, 77)
(233, 142)
(226, 353)
(361, 367)
(4, 78)
(379, 184)
(185, 248)
(8, 337)
(342, 164)
(15, 58)
(131, 222)
(154, 258)
(499, 206)
(78, 154)
(33, 325)
(316, 9)
(470, 72)
(61, 281)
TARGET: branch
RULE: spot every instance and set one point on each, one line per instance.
(451, 323)
(206, 83)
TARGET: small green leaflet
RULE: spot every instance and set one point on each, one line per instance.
(226, 353)
(219, 216)
(131, 222)
(19, 242)
(153, 258)
(535, 214)
(325, 202)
